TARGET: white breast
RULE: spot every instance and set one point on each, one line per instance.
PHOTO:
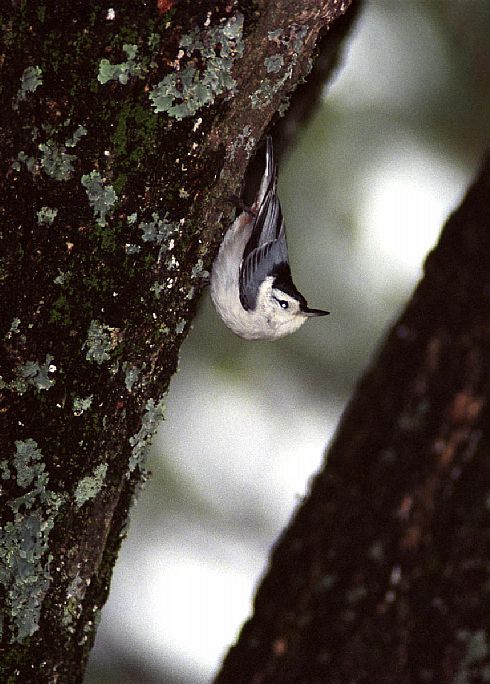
(261, 324)
(224, 277)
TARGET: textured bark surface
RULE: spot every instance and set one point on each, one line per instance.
(121, 123)
(384, 574)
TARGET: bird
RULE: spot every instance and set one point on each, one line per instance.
(251, 284)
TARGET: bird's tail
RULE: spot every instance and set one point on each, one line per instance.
(270, 173)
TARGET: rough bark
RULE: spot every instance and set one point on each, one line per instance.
(383, 575)
(121, 125)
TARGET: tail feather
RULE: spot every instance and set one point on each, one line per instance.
(270, 171)
(270, 174)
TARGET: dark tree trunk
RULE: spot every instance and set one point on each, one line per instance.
(383, 575)
(121, 125)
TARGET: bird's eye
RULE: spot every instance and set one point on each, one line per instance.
(283, 303)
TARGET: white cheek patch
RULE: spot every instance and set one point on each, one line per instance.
(285, 302)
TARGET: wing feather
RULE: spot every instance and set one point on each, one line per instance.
(266, 252)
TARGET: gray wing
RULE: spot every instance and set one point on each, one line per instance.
(266, 252)
(269, 221)
(269, 259)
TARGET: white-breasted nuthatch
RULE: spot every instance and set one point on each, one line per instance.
(251, 284)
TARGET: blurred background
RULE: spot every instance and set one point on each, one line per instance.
(384, 160)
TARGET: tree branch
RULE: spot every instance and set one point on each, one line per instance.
(382, 576)
(121, 124)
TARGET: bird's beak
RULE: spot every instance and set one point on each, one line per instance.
(315, 312)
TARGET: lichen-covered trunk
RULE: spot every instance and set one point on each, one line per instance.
(383, 576)
(121, 125)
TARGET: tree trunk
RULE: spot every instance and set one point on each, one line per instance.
(121, 125)
(383, 575)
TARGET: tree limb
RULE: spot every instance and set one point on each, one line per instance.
(121, 124)
(382, 576)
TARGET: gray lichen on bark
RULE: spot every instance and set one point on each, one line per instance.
(119, 129)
